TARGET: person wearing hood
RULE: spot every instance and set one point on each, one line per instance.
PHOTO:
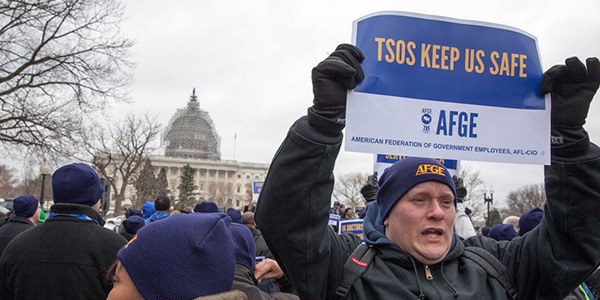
(162, 205)
(67, 256)
(147, 209)
(408, 229)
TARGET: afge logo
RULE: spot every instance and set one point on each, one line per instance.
(423, 169)
(426, 119)
(450, 123)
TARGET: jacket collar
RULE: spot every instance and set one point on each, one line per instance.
(16, 219)
(78, 209)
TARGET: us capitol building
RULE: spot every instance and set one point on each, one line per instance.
(191, 138)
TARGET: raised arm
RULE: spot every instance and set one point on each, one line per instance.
(555, 257)
(292, 211)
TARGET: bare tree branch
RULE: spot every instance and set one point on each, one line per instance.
(61, 63)
(347, 189)
(120, 152)
(524, 199)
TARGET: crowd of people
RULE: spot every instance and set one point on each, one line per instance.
(419, 241)
(157, 253)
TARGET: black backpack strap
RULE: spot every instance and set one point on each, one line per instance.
(492, 266)
(355, 266)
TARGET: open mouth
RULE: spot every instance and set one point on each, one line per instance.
(433, 233)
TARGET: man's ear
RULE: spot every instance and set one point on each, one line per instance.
(386, 222)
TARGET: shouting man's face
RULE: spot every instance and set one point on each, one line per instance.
(421, 223)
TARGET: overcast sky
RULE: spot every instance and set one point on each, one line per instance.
(250, 62)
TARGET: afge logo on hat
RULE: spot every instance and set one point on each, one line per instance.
(130, 241)
(430, 169)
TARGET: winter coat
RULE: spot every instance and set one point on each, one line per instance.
(66, 257)
(547, 263)
(12, 228)
(157, 216)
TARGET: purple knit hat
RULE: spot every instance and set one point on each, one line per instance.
(503, 232)
(25, 206)
(235, 215)
(530, 219)
(76, 183)
(206, 207)
(133, 224)
(184, 256)
(403, 175)
(245, 252)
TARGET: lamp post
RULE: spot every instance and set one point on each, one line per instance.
(489, 200)
(44, 170)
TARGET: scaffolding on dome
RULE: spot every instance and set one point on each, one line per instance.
(191, 133)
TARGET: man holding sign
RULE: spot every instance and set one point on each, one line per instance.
(414, 252)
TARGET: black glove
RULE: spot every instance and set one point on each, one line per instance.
(461, 191)
(369, 190)
(572, 88)
(333, 77)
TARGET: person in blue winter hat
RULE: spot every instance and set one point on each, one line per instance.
(245, 250)
(502, 232)
(71, 246)
(530, 219)
(235, 215)
(131, 225)
(26, 212)
(411, 250)
(485, 231)
(185, 256)
(133, 212)
(206, 207)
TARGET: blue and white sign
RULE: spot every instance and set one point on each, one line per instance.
(256, 189)
(334, 220)
(354, 226)
(441, 87)
(384, 161)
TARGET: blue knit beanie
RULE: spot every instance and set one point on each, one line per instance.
(25, 206)
(235, 215)
(184, 256)
(530, 219)
(133, 224)
(503, 232)
(403, 175)
(485, 231)
(245, 252)
(206, 207)
(133, 212)
(76, 183)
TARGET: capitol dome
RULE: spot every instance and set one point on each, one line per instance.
(191, 133)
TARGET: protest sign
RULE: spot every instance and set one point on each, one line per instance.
(441, 87)
(256, 189)
(354, 226)
(334, 220)
(384, 161)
